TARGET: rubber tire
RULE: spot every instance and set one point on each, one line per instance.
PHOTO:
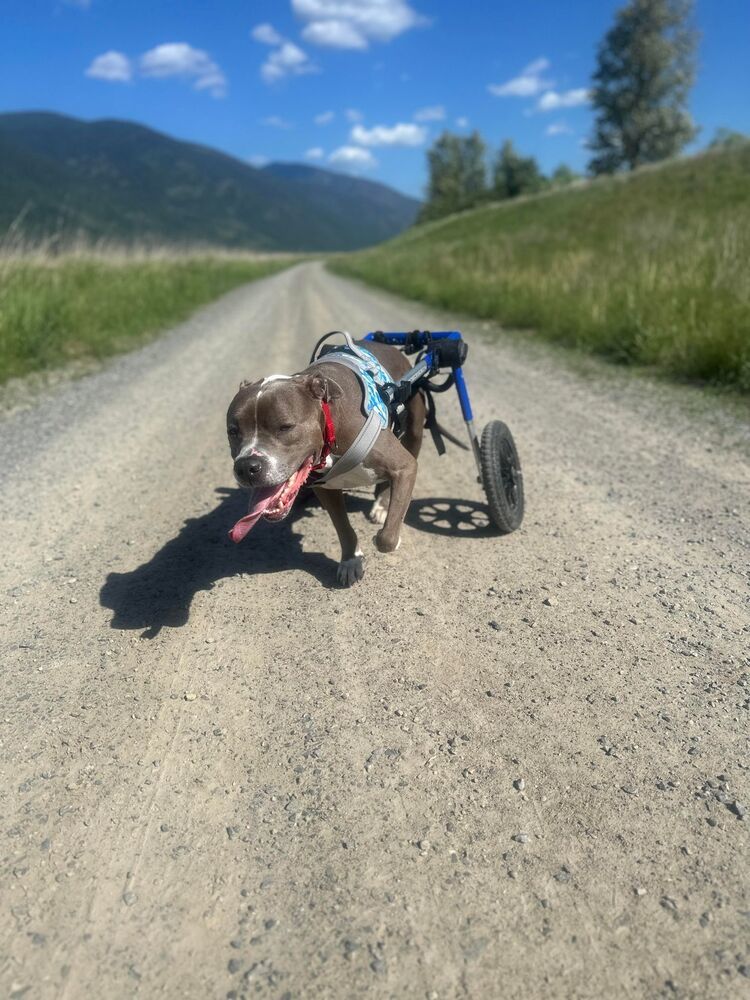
(500, 462)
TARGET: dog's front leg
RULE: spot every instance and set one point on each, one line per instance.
(401, 475)
(352, 566)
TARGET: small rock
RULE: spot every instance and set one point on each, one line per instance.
(236, 944)
(744, 970)
(190, 696)
(423, 845)
(495, 625)
(668, 904)
(519, 784)
(129, 898)
(234, 965)
(639, 890)
(550, 602)
(521, 838)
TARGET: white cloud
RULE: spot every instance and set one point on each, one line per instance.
(324, 118)
(334, 35)
(286, 59)
(352, 115)
(266, 34)
(527, 84)
(402, 134)
(553, 100)
(274, 121)
(462, 122)
(112, 66)
(353, 24)
(316, 153)
(435, 113)
(558, 128)
(182, 60)
(258, 160)
(353, 157)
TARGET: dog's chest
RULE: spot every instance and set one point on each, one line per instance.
(359, 477)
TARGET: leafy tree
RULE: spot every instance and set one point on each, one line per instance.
(728, 138)
(515, 174)
(563, 175)
(458, 174)
(641, 84)
(473, 168)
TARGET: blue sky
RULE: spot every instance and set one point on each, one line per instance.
(359, 85)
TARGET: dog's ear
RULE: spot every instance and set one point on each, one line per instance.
(324, 388)
(245, 383)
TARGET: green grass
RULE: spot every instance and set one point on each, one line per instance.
(83, 306)
(649, 269)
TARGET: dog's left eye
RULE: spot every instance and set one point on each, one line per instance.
(233, 430)
(287, 427)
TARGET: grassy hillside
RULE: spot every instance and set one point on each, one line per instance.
(90, 305)
(122, 182)
(652, 268)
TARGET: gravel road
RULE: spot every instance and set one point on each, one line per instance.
(500, 767)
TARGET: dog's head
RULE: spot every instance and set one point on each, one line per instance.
(275, 427)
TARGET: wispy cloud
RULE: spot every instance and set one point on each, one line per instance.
(434, 113)
(315, 153)
(402, 134)
(324, 118)
(552, 100)
(258, 160)
(462, 122)
(285, 59)
(558, 128)
(266, 34)
(274, 121)
(353, 24)
(115, 67)
(353, 115)
(528, 83)
(182, 60)
(353, 157)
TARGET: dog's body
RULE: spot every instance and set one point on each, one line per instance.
(276, 431)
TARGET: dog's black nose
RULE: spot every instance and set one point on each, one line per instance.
(248, 469)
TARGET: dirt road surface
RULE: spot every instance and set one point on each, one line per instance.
(498, 768)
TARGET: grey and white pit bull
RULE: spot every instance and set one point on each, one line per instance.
(279, 433)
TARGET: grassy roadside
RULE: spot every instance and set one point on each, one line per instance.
(88, 305)
(651, 269)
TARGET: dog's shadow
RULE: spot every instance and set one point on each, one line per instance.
(159, 592)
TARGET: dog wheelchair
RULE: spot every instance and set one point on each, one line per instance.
(495, 454)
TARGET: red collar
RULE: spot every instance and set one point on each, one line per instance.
(329, 436)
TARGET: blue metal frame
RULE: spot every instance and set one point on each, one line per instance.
(401, 339)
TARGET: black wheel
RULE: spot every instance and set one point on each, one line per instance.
(502, 477)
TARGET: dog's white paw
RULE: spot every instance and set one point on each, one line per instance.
(351, 571)
(378, 510)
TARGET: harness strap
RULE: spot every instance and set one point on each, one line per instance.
(358, 451)
(364, 442)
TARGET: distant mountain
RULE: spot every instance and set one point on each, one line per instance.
(125, 182)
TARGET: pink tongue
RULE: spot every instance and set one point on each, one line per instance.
(263, 499)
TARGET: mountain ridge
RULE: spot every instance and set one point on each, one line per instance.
(124, 181)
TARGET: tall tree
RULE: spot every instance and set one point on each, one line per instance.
(645, 70)
(515, 174)
(563, 175)
(473, 168)
(458, 174)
